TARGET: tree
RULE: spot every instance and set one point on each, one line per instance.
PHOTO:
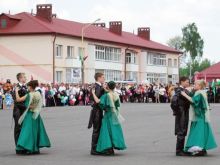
(204, 64)
(196, 67)
(175, 42)
(192, 44)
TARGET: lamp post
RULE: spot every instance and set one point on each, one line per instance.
(83, 50)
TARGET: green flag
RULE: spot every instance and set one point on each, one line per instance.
(213, 87)
(81, 54)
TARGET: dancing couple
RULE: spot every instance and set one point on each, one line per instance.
(30, 134)
(107, 132)
(193, 120)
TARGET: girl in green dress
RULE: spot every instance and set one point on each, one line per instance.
(33, 135)
(200, 137)
(111, 135)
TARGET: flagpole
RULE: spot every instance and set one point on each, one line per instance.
(83, 49)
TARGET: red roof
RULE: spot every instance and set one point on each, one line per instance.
(12, 16)
(212, 70)
(30, 24)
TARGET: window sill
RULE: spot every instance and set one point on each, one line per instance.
(71, 58)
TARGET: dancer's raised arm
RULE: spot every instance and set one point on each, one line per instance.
(186, 96)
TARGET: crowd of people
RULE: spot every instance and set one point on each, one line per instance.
(64, 94)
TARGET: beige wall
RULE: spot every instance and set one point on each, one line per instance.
(32, 55)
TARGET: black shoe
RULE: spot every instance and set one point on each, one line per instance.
(109, 152)
(95, 153)
(21, 152)
(200, 153)
(181, 153)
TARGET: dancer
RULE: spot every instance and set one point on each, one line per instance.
(19, 107)
(182, 116)
(200, 137)
(33, 135)
(111, 135)
(96, 113)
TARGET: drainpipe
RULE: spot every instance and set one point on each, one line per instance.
(125, 77)
(55, 36)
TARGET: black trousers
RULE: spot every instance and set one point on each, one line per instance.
(181, 126)
(97, 123)
(17, 127)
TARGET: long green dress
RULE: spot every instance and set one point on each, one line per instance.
(33, 135)
(111, 135)
(200, 131)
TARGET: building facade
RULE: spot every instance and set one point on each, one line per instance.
(50, 49)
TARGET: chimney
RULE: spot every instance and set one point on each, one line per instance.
(99, 25)
(115, 27)
(45, 11)
(144, 33)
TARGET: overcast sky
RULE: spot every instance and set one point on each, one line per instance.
(164, 17)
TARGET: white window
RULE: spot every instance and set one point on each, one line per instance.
(156, 77)
(70, 51)
(175, 63)
(104, 53)
(59, 50)
(156, 59)
(131, 76)
(131, 58)
(169, 62)
(111, 75)
(59, 75)
(175, 78)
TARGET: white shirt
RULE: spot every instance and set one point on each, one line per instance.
(98, 83)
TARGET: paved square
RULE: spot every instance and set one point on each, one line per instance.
(148, 131)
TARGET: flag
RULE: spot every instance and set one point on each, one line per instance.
(213, 87)
(81, 55)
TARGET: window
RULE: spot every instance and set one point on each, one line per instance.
(131, 76)
(59, 50)
(70, 51)
(104, 53)
(156, 77)
(3, 23)
(131, 58)
(175, 78)
(170, 62)
(175, 63)
(156, 59)
(111, 75)
(59, 75)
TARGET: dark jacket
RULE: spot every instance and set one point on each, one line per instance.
(19, 107)
(182, 114)
(96, 113)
